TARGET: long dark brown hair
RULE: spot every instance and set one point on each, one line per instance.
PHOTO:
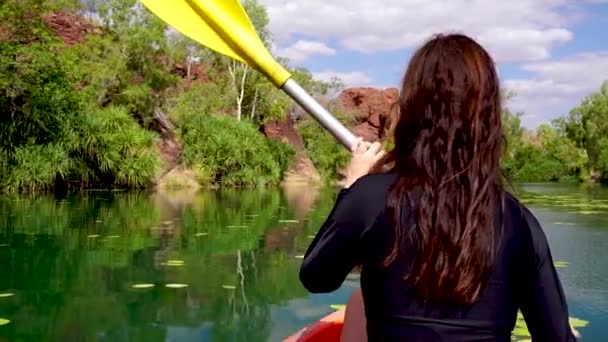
(447, 149)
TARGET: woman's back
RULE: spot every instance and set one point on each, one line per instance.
(445, 252)
(523, 275)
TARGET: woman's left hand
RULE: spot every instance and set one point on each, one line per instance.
(364, 156)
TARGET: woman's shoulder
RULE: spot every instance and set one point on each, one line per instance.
(367, 196)
(527, 222)
(373, 185)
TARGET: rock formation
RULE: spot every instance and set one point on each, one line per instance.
(72, 29)
(302, 169)
(370, 109)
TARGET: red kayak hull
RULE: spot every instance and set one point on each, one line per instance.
(327, 329)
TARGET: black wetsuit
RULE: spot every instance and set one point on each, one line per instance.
(523, 275)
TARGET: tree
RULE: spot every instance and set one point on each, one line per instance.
(587, 126)
(128, 64)
(240, 72)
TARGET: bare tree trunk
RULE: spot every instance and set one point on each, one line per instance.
(238, 88)
(189, 62)
(254, 104)
(242, 94)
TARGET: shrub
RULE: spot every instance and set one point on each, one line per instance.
(116, 150)
(231, 153)
(326, 153)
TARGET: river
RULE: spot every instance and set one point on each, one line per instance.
(222, 266)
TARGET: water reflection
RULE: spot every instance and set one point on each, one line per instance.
(96, 267)
(218, 266)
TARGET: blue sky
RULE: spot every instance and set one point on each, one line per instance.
(551, 53)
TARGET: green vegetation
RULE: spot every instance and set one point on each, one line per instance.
(573, 148)
(328, 156)
(222, 150)
(91, 112)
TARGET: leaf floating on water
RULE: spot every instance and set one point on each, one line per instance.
(229, 287)
(6, 294)
(4, 321)
(521, 332)
(175, 262)
(176, 286)
(338, 306)
(289, 221)
(588, 212)
(142, 286)
(578, 323)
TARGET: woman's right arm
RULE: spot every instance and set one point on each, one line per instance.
(543, 303)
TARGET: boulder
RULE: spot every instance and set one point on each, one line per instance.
(369, 108)
(302, 170)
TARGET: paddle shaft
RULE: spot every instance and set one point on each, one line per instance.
(314, 108)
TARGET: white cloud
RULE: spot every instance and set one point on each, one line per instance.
(303, 49)
(556, 86)
(515, 30)
(350, 79)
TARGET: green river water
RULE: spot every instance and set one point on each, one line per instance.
(222, 266)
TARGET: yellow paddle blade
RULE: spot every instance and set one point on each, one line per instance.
(223, 26)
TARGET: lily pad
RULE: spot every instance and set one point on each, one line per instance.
(578, 323)
(521, 332)
(229, 287)
(142, 286)
(176, 286)
(338, 306)
(173, 263)
(4, 321)
(6, 294)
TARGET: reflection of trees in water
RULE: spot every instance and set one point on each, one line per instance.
(71, 264)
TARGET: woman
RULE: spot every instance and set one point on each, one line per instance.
(446, 254)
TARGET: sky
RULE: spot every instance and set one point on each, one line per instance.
(550, 53)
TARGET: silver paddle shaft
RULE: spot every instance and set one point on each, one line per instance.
(314, 108)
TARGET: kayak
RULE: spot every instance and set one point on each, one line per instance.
(327, 329)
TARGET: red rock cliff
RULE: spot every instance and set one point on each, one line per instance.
(370, 108)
